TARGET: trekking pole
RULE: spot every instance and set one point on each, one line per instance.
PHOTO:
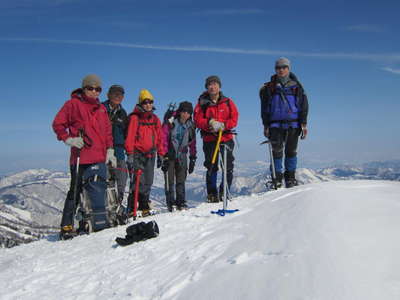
(214, 157)
(166, 187)
(80, 133)
(271, 156)
(136, 198)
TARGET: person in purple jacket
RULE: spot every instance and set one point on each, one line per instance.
(178, 138)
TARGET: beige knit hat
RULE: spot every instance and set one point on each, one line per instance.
(91, 80)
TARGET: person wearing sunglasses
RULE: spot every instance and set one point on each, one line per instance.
(119, 121)
(142, 144)
(284, 111)
(82, 124)
(179, 138)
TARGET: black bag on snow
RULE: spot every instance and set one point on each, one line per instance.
(139, 232)
(93, 201)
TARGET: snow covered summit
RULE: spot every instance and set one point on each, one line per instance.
(332, 240)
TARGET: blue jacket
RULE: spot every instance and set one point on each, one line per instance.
(119, 121)
(283, 106)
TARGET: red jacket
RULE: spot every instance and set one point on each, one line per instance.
(224, 111)
(144, 133)
(81, 112)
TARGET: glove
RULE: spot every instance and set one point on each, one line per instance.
(110, 158)
(216, 126)
(266, 132)
(192, 163)
(304, 131)
(159, 161)
(165, 164)
(76, 142)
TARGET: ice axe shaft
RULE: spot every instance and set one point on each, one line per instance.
(271, 156)
(214, 157)
(136, 198)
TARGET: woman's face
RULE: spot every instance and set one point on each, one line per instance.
(92, 91)
(147, 105)
(184, 116)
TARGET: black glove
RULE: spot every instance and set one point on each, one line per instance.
(165, 164)
(192, 163)
(159, 161)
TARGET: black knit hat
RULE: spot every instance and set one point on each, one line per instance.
(116, 89)
(213, 78)
(185, 106)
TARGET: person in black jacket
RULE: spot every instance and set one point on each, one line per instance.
(284, 111)
(119, 120)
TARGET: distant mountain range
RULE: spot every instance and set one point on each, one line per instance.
(31, 202)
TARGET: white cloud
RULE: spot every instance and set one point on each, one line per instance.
(372, 28)
(391, 70)
(389, 57)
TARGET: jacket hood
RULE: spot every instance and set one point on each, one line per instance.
(205, 99)
(141, 113)
(78, 94)
(292, 76)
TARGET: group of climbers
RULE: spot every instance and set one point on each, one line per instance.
(103, 134)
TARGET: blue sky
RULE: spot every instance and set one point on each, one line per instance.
(346, 53)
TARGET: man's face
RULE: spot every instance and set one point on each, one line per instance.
(116, 98)
(213, 88)
(282, 71)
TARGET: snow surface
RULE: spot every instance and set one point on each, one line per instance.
(332, 240)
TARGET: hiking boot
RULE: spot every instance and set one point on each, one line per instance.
(182, 206)
(290, 179)
(145, 213)
(211, 198)
(67, 232)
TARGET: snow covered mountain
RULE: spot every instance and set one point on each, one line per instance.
(333, 240)
(31, 202)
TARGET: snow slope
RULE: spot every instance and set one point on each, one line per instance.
(332, 240)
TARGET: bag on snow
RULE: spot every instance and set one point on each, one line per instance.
(139, 232)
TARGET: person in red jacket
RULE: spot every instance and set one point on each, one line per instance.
(142, 143)
(82, 123)
(215, 112)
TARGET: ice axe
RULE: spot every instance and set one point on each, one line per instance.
(138, 173)
(273, 173)
(216, 150)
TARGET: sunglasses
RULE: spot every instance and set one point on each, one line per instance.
(145, 102)
(97, 89)
(281, 67)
